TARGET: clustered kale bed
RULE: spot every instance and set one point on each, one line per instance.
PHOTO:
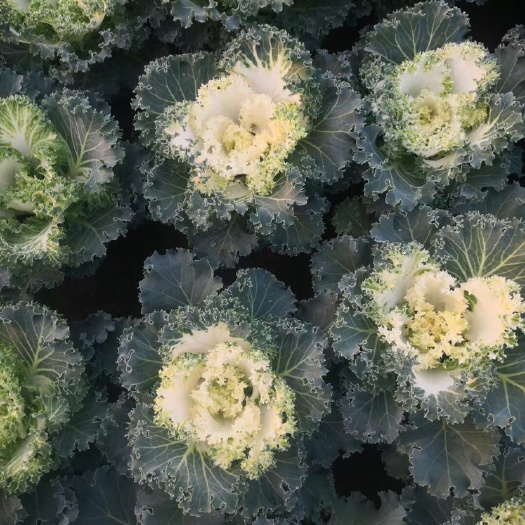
(262, 262)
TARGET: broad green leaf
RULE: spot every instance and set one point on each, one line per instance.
(41, 339)
(351, 218)
(83, 427)
(277, 208)
(449, 456)
(424, 508)
(305, 232)
(508, 476)
(139, 358)
(275, 488)
(186, 474)
(166, 81)
(223, 244)
(165, 189)
(372, 417)
(90, 133)
(155, 507)
(299, 360)
(402, 182)
(426, 26)
(336, 259)
(104, 498)
(90, 228)
(331, 140)
(330, 440)
(420, 225)
(481, 246)
(176, 279)
(51, 503)
(511, 58)
(262, 294)
(357, 510)
(316, 494)
(505, 404)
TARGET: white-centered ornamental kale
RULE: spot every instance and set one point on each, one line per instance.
(57, 203)
(41, 387)
(443, 113)
(244, 141)
(511, 512)
(430, 319)
(226, 385)
(77, 33)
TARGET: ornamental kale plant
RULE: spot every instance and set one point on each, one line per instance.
(249, 138)
(228, 383)
(443, 113)
(57, 191)
(262, 262)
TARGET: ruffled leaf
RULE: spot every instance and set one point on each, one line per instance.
(83, 427)
(356, 510)
(426, 26)
(330, 440)
(223, 244)
(139, 358)
(337, 258)
(504, 405)
(90, 228)
(331, 140)
(419, 225)
(155, 507)
(404, 184)
(351, 218)
(511, 59)
(299, 360)
(306, 230)
(104, 497)
(319, 310)
(167, 81)
(10, 509)
(449, 456)
(277, 208)
(188, 475)
(504, 483)
(176, 279)
(467, 248)
(166, 190)
(372, 417)
(262, 294)
(90, 133)
(51, 503)
(424, 508)
(275, 487)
